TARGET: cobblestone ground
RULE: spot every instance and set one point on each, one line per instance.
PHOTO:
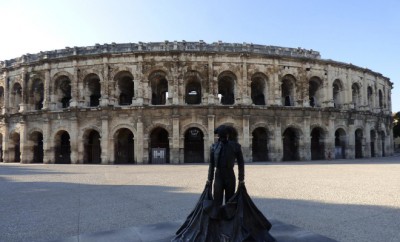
(347, 200)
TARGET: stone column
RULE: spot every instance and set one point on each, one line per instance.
(367, 149)
(277, 143)
(246, 138)
(74, 140)
(104, 142)
(350, 151)
(305, 141)
(6, 141)
(139, 145)
(24, 94)
(212, 82)
(23, 142)
(275, 87)
(47, 95)
(104, 84)
(6, 95)
(47, 141)
(174, 152)
(348, 94)
(330, 139)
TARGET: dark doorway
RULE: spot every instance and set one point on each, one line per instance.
(126, 88)
(226, 87)
(193, 92)
(194, 146)
(260, 144)
(63, 148)
(124, 147)
(340, 144)
(257, 91)
(159, 90)
(92, 148)
(159, 139)
(290, 145)
(358, 143)
(37, 139)
(17, 150)
(317, 144)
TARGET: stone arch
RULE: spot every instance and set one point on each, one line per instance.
(62, 90)
(159, 145)
(291, 137)
(358, 137)
(120, 126)
(317, 135)
(356, 94)
(226, 87)
(124, 146)
(288, 90)
(36, 93)
(92, 89)
(338, 94)
(259, 88)
(159, 87)
(153, 126)
(16, 95)
(195, 125)
(36, 145)
(124, 86)
(14, 148)
(91, 145)
(62, 147)
(193, 87)
(262, 125)
(315, 91)
(340, 142)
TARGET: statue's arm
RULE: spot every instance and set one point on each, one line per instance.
(212, 165)
(240, 162)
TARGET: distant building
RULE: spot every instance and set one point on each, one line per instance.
(160, 102)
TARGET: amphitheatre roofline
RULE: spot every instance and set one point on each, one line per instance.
(166, 46)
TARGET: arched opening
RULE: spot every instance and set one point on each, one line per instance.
(125, 88)
(314, 91)
(226, 88)
(93, 89)
(317, 144)
(193, 92)
(356, 95)
(92, 148)
(358, 143)
(63, 91)
(124, 147)
(372, 143)
(15, 138)
(288, 90)
(290, 145)
(382, 134)
(380, 99)
(337, 93)
(194, 146)
(260, 144)
(37, 148)
(37, 94)
(340, 144)
(159, 88)
(258, 90)
(159, 146)
(16, 95)
(62, 148)
(370, 97)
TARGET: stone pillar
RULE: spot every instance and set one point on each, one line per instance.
(74, 140)
(276, 147)
(174, 152)
(212, 84)
(211, 128)
(348, 93)
(47, 95)
(246, 138)
(104, 84)
(6, 141)
(367, 148)
(305, 140)
(139, 145)
(48, 157)
(330, 139)
(104, 142)
(350, 151)
(275, 87)
(23, 142)
(24, 94)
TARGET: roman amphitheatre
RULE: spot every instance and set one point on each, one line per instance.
(159, 102)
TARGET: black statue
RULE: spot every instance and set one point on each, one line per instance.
(238, 220)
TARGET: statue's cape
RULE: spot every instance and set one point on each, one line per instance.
(238, 220)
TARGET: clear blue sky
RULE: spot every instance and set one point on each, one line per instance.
(364, 33)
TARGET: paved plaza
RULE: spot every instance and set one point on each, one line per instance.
(346, 200)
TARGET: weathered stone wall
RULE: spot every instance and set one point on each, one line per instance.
(75, 102)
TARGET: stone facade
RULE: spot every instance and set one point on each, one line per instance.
(160, 102)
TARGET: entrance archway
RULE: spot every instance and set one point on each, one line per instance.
(340, 144)
(290, 141)
(194, 146)
(62, 148)
(92, 147)
(16, 145)
(124, 147)
(37, 139)
(159, 146)
(317, 144)
(358, 143)
(260, 144)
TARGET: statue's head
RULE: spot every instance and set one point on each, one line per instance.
(222, 132)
